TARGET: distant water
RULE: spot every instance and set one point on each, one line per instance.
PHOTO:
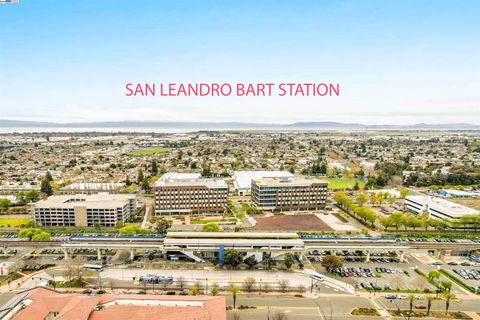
(72, 130)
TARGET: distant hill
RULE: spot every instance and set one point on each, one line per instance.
(314, 125)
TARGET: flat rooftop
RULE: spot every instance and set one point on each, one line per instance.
(243, 179)
(234, 235)
(93, 186)
(100, 200)
(439, 203)
(290, 182)
(209, 183)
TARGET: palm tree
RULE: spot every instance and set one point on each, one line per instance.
(448, 297)
(233, 290)
(430, 299)
(411, 298)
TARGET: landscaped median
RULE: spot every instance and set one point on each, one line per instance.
(457, 281)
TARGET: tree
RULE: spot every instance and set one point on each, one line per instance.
(146, 185)
(161, 225)
(215, 290)
(446, 285)
(34, 234)
(42, 236)
(154, 168)
(448, 297)
(211, 227)
(5, 203)
(411, 299)
(181, 282)
(434, 275)
(194, 291)
(132, 229)
(232, 258)
(374, 199)
(361, 199)
(249, 283)
(279, 315)
(46, 184)
(331, 262)
(283, 284)
(396, 219)
(251, 262)
(430, 299)
(140, 176)
(288, 262)
(234, 291)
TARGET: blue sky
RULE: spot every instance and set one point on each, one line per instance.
(396, 61)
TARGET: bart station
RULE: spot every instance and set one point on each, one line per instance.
(208, 246)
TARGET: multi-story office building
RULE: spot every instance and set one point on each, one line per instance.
(284, 194)
(437, 207)
(85, 210)
(190, 196)
(242, 180)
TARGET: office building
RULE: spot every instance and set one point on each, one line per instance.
(85, 210)
(437, 207)
(92, 187)
(284, 194)
(190, 196)
(242, 180)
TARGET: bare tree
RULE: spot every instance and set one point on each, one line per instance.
(181, 283)
(249, 283)
(301, 288)
(283, 284)
(279, 315)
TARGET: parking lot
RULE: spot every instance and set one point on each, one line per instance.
(383, 272)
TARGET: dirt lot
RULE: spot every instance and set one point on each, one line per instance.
(301, 222)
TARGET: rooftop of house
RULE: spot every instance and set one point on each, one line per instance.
(38, 303)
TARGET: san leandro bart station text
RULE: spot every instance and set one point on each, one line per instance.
(232, 89)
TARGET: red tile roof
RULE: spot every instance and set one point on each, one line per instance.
(42, 301)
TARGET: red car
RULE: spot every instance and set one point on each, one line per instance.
(421, 306)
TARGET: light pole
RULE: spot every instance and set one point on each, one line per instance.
(260, 291)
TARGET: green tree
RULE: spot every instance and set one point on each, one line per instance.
(46, 184)
(42, 236)
(448, 297)
(234, 291)
(34, 234)
(232, 258)
(430, 299)
(215, 290)
(5, 203)
(154, 168)
(434, 275)
(361, 199)
(251, 262)
(331, 262)
(140, 177)
(288, 262)
(162, 225)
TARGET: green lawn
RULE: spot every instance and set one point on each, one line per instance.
(342, 183)
(149, 151)
(5, 222)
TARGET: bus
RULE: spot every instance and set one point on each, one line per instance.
(96, 267)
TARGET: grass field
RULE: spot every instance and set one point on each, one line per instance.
(148, 152)
(342, 183)
(12, 222)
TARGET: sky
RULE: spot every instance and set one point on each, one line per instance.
(397, 62)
